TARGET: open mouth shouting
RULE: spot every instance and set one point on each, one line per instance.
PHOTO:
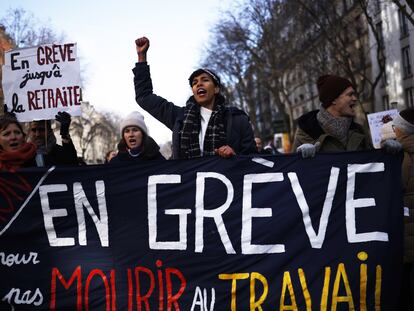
(14, 145)
(132, 142)
(201, 91)
(133, 137)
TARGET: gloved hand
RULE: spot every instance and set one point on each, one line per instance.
(7, 113)
(308, 150)
(64, 119)
(391, 146)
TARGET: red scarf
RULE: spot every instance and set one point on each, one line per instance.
(13, 160)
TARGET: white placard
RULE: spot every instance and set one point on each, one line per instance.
(375, 124)
(40, 81)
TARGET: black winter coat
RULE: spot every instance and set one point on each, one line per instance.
(239, 132)
(62, 155)
(150, 151)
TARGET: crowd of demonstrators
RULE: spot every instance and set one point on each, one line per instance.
(403, 125)
(205, 126)
(136, 144)
(48, 151)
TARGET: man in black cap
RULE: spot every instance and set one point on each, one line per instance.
(331, 128)
(205, 126)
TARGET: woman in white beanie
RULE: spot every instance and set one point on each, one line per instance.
(403, 125)
(136, 144)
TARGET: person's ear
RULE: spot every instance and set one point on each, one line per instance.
(216, 90)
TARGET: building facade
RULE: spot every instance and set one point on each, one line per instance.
(339, 43)
(396, 90)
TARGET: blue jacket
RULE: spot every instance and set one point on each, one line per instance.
(239, 131)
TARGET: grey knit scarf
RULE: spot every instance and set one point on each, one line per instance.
(335, 127)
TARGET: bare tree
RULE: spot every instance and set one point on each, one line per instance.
(26, 31)
(246, 50)
(345, 34)
(94, 133)
(273, 49)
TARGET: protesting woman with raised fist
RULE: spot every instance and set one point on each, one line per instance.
(206, 125)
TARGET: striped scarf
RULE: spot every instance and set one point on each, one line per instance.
(215, 136)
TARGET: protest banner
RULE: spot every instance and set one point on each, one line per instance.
(274, 233)
(375, 125)
(40, 81)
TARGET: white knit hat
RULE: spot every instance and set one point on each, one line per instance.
(134, 119)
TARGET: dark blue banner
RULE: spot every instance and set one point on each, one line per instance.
(272, 233)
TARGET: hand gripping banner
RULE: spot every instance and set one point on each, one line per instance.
(272, 233)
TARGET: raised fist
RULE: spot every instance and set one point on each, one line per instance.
(64, 119)
(142, 45)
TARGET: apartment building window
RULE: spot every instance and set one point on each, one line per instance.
(378, 28)
(406, 62)
(386, 102)
(409, 97)
(346, 34)
(384, 79)
(358, 26)
(403, 24)
(361, 57)
(344, 5)
(377, 6)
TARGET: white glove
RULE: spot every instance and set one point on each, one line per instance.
(308, 150)
(391, 146)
